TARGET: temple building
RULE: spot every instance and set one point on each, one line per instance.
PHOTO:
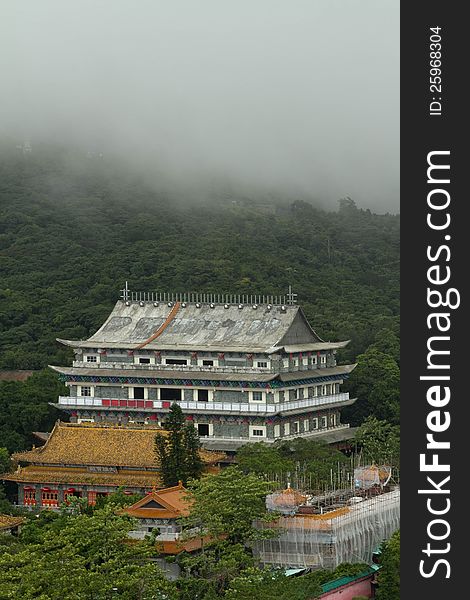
(242, 368)
(159, 512)
(89, 461)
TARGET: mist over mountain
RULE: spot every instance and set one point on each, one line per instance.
(293, 99)
(74, 228)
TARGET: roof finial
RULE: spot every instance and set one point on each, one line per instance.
(125, 293)
(291, 297)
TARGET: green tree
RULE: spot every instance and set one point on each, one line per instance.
(208, 574)
(192, 447)
(227, 503)
(83, 557)
(379, 442)
(376, 383)
(266, 584)
(178, 452)
(389, 575)
(262, 458)
(5, 461)
(299, 461)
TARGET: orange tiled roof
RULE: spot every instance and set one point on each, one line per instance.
(84, 444)
(8, 521)
(172, 501)
(288, 497)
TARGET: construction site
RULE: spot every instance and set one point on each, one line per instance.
(337, 526)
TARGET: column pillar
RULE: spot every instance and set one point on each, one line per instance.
(21, 495)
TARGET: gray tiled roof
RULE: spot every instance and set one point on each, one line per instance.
(217, 328)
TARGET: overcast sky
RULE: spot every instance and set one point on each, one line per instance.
(289, 95)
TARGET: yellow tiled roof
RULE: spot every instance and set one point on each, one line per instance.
(84, 444)
(8, 521)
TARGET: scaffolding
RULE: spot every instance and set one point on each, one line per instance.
(321, 532)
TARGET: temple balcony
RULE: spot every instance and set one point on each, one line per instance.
(260, 408)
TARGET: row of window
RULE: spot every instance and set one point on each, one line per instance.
(205, 395)
(202, 362)
(51, 497)
(259, 431)
(308, 425)
(206, 362)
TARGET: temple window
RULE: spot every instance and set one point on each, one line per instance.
(324, 422)
(49, 497)
(91, 358)
(176, 361)
(204, 429)
(306, 425)
(138, 393)
(202, 395)
(295, 427)
(207, 363)
(315, 423)
(256, 397)
(171, 394)
(30, 497)
(257, 431)
(262, 364)
(84, 390)
(144, 361)
(286, 428)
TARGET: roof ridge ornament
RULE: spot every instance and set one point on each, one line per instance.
(291, 297)
(209, 298)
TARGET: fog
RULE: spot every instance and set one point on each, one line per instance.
(296, 97)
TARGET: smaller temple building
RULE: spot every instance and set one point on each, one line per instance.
(10, 524)
(89, 461)
(160, 510)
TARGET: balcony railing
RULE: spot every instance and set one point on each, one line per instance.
(202, 407)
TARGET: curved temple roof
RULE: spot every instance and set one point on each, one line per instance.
(83, 444)
(217, 327)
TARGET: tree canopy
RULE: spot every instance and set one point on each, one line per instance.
(227, 503)
(302, 462)
(389, 574)
(82, 557)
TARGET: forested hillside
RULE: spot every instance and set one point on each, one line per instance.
(74, 228)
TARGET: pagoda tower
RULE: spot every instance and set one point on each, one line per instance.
(242, 368)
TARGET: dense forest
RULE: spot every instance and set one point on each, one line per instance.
(74, 227)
